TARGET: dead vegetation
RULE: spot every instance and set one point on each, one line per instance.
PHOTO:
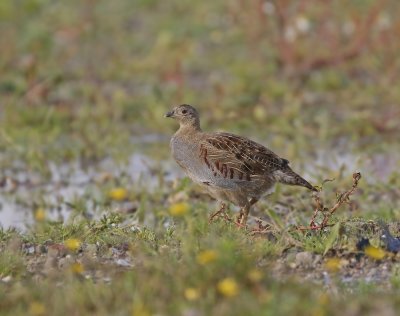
(326, 212)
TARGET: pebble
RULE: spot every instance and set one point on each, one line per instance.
(91, 250)
(304, 259)
(123, 263)
(6, 279)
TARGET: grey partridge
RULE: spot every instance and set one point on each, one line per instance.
(231, 168)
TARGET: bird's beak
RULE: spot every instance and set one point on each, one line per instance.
(169, 114)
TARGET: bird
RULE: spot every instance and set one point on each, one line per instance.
(231, 168)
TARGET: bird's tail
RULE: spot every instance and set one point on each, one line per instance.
(288, 176)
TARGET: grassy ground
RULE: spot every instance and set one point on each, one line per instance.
(114, 228)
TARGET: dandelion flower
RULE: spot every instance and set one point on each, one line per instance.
(333, 264)
(77, 268)
(179, 209)
(206, 257)
(374, 252)
(191, 294)
(72, 244)
(40, 215)
(118, 194)
(228, 287)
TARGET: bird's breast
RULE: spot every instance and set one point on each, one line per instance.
(183, 152)
(188, 156)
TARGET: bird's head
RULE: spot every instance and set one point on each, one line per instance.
(185, 114)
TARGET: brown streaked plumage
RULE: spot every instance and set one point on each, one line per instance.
(231, 168)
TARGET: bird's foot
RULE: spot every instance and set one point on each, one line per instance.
(260, 228)
(241, 220)
(221, 213)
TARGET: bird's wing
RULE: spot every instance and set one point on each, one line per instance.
(233, 156)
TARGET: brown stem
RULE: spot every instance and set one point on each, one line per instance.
(343, 198)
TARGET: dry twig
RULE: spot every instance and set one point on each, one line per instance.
(343, 198)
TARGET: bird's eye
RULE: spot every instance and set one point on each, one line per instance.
(184, 111)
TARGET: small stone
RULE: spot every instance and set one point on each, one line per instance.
(65, 262)
(56, 250)
(304, 259)
(123, 263)
(91, 250)
(6, 279)
(317, 259)
(29, 249)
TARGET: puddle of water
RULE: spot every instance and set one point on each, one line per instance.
(374, 168)
(71, 181)
(12, 215)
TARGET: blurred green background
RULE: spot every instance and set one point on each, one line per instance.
(79, 79)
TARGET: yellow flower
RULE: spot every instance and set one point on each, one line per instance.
(37, 309)
(191, 294)
(333, 264)
(72, 244)
(77, 268)
(118, 194)
(255, 275)
(179, 209)
(40, 215)
(228, 287)
(373, 252)
(206, 257)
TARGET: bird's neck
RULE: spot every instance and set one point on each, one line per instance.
(189, 129)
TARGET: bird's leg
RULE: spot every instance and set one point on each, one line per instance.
(241, 219)
(221, 211)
